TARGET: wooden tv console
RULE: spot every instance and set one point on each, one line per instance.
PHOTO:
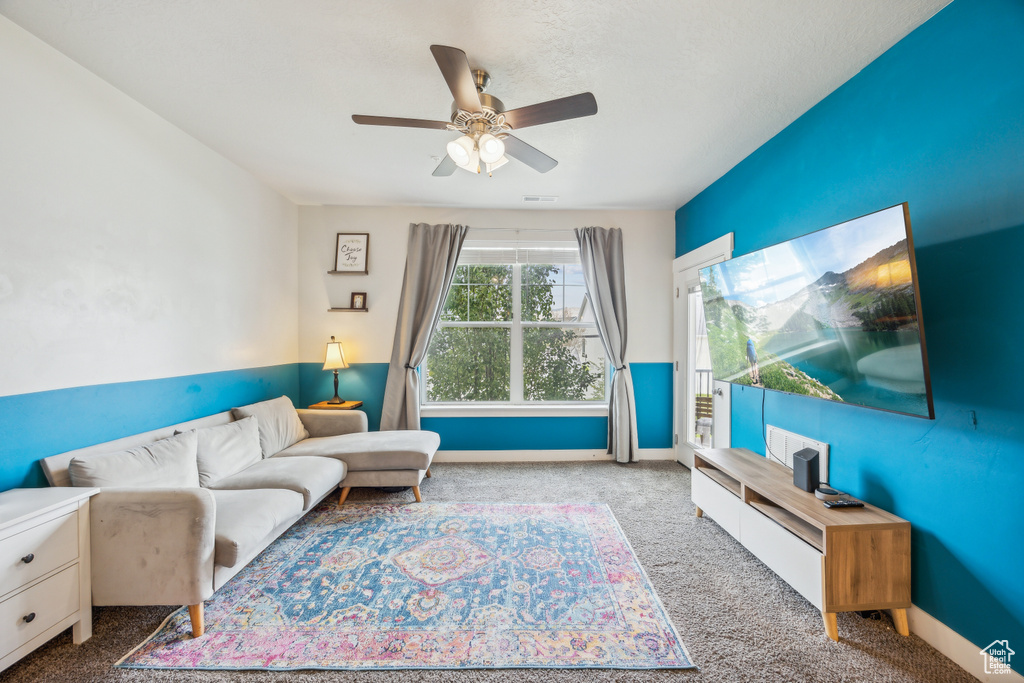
(840, 559)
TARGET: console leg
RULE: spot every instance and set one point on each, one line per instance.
(81, 630)
(344, 494)
(700, 513)
(416, 492)
(831, 625)
(195, 613)
(899, 620)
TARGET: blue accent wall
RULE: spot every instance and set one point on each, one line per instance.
(38, 425)
(35, 426)
(937, 121)
(652, 384)
(519, 433)
(652, 388)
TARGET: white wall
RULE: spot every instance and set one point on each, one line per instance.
(128, 250)
(649, 244)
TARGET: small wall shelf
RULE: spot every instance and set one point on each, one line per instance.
(344, 272)
(348, 310)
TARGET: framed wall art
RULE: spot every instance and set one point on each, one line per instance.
(352, 253)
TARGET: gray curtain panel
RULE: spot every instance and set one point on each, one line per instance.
(429, 269)
(604, 275)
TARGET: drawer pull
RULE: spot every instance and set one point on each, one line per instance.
(28, 558)
(29, 617)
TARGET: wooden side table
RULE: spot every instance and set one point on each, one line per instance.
(45, 572)
(345, 405)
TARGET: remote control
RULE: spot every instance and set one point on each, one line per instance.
(843, 504)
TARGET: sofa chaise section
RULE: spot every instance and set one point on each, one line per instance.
(399, 458)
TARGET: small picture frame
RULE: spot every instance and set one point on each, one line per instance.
(358, 301)
(352, 253)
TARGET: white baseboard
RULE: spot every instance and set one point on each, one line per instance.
(956, 647)
(657, 454)
(565, 455)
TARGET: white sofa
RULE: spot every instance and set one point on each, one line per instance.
(184, 508)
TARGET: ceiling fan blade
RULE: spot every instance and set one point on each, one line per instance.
(572, 107)
(402, 123)
(531, 156)
(454, 67)
(446, 167)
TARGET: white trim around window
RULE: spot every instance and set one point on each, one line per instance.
(517, 406)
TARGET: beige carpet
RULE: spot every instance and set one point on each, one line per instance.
(739, 622)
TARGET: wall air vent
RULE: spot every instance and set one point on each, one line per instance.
(538, 198)
(782, 445)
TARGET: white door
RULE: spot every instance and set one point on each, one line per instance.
(701, 406)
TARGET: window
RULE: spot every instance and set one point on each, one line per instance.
(517, 328)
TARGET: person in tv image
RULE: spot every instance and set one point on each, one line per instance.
(755, 373)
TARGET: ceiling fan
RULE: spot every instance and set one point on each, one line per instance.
(481, 118)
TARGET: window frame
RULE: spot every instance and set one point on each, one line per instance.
(517, 402)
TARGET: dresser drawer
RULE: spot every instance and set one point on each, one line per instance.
(717, 502)
(796, 563)
(50, 545)
(50, 601)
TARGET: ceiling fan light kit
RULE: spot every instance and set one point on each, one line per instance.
(481, 118)
(468, 151)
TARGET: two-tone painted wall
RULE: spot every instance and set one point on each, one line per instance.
(368, 337)
(144, 279)
(937, 121)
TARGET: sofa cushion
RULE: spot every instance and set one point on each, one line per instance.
(397, 450)
(221, 451)
(245, 519)
(312, 477)
(279, 424)
(332, 422)
(167, 463)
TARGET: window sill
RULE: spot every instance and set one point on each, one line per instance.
(562, 410)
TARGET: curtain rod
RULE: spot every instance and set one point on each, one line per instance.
(517, 230)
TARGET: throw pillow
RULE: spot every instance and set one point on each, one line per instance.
(168, 463)
(279, 424)
(226, 449)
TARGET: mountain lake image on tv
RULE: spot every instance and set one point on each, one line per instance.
(834, 314)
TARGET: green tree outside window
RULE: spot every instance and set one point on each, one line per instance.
(470, 356)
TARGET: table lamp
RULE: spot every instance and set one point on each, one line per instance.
(335, 360)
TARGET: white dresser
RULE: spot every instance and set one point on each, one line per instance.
(44, 568)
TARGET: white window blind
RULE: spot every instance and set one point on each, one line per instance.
(481, 252)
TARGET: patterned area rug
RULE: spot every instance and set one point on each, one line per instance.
(433, 586)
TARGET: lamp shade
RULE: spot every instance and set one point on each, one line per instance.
(461, 151)
(491, 149)
(335, 356)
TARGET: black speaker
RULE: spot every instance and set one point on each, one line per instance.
(805, 470)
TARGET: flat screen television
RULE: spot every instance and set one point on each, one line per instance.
(834, 314)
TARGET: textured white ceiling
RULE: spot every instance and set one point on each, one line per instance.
(685, 88)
